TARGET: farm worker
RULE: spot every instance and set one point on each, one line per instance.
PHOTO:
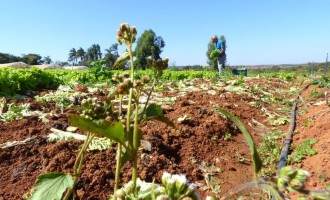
(219, 52)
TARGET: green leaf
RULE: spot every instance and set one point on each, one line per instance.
(51, 186)
(154, 111)
(121, 60)
(254, 154)
(126, 155)
(114, 131)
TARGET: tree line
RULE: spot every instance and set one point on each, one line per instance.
(31, 59)
(149, 44)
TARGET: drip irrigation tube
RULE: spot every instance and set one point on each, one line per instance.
(288, 138)
(283, 157)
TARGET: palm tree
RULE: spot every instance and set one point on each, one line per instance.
(73, 56)
(97, 51)
(81, 54)
(91, 52)
(111, 55)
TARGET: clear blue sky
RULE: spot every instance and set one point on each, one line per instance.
(257, 31)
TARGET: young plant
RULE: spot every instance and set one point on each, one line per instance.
(270, 151)
(228, 136)
(315, 94)
(122, 127)
(98, 118)
(95, 119)
(303, 150)
(175, 187)
(14, 112)
(134, 89)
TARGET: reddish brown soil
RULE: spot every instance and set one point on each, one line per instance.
(197, 147)
(313, 122)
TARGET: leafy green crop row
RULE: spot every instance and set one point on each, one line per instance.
(18, 81)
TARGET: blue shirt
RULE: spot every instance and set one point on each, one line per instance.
(219, 45)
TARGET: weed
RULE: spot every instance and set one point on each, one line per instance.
(302, 112)
(270, 151)
(307, 122)
(322, 176)
(315, 94)
(280, 121)
(214, 137)
(228, 136)
(323, 82)
(240, 81)
(303, 150)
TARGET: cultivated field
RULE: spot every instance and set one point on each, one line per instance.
(197, 140)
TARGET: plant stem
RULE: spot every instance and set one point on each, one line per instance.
(118, 156)
(128, 121)
(118, 166)
(135, 130)
(78, 164)
(148, 98)
(90, 138)
(135, 144)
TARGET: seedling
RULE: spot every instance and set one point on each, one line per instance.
(228, 136)
(303, 150)
(322, 176)
(270, 151)
(307, 122)
(315, 94)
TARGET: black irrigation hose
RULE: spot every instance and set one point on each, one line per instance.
(288, 138)
(283, 157)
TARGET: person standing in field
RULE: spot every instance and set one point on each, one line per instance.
(219, 52)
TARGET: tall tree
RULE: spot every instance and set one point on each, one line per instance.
(81, 54)
(32, 59)
(212, 62)
(73, 56)
(93, 53)
(148, 45)
(90, 54)
(98, 54)
(111, 55)
(47, 60)
(222, 37)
